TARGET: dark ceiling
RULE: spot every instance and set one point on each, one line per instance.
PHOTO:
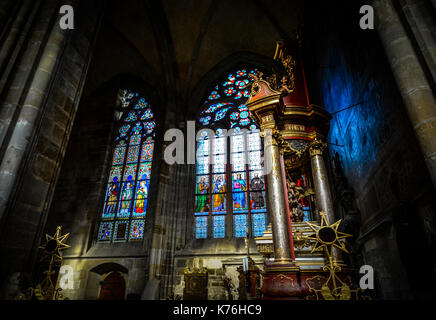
(173, 44)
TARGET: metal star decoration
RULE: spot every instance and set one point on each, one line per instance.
(54, 245)
(327, 236)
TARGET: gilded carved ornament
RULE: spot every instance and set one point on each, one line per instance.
(317, 147)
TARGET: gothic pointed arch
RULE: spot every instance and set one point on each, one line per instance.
(124, 211)
(230, 186)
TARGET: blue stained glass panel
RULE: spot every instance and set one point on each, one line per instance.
(132, 116)
(116, 172)
(105, 231)
(203, 148)
(137, 229)
(240, 202)
(147, 151)
(238, 161)
(254, 141)
(241, 84)
(135, 139)
(130, 172)
(230, 80)
(245, 122)
(142, 104)
(234, 116)
(214, 95)
(219, 163)
(205, 120)
(119, 155)
(147, 114)
(243, 107)
(259, 224)
(124, 129)
(144, 171)
(137, 128)
(202, 165)
(149, 126)
(241, 73)
(201, 227)
(237, 143)
(219, 145)
(109, 210)
(133, 154)
(240, 225)
(230, 91)
(221, 114)
(255, 160)
(219, 226)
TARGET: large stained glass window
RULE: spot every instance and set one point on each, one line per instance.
(125, 206)
(230, 185)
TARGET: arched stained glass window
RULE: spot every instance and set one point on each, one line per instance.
(125, 206)
(229, 196)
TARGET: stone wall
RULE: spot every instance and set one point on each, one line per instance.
(55, 64)
(372, 135)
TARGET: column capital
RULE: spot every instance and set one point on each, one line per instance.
(276, 137)
(317, 147)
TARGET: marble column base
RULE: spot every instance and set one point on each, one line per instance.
(281, 281)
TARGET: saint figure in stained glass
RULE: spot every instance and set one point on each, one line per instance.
(257, 186)
(113, 194)
(141, 196)
(126, 196)
(239, 197)
(219, 198)
(202, 187)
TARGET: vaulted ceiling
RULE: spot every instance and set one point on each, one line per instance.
(173, 44)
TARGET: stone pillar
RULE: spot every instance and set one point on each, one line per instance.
(320, 180)
(280, 279)
(16, 32)
(422, 25)
(323, 196)
(288, 211)
(27, 117)
(413, 84)
(276, 200)
(37, 110)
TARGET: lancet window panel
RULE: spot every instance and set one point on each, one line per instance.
(125, 206)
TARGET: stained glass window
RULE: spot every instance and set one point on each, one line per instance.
(125, 206)
(230, 186)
